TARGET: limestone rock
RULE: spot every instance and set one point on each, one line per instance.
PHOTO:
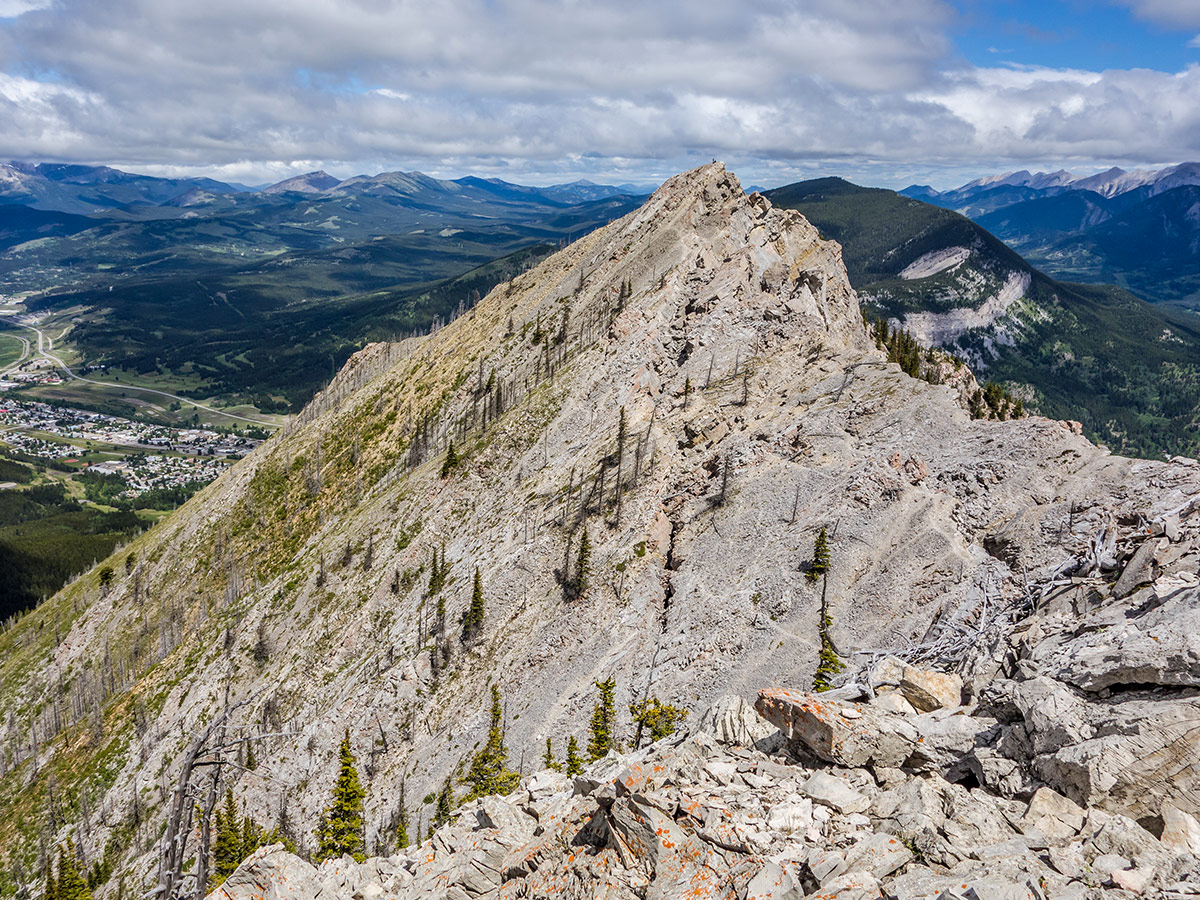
(1053, 815)
(817, 725)
(894, 702)
(928, 690)
(731, 720)
(772, 883)
(859, 885)
(1133, 880)
(835, 793)
(1181, 831)
(271, 873)
(879, 854)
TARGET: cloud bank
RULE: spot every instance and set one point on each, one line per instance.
(538, 89)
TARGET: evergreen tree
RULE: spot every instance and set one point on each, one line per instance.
(820, 563)
(473, 618)
(583, 566)
(251, 759)
(828, 662)
(439, 569)
(548, 760)
(451, 461)
(402, 839)
(444, 810)
(604, 714)
(656, 717)
(341, 828)
(227, 844)
(51, 886)
(488, 773)
(574, 760)
(70, 885)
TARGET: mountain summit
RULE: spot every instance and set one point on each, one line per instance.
(636, 445)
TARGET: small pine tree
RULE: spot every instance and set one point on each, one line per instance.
(548, 760)
(438, 571)
(341, 830)
(574, 760)
(402, 839)
(820, 563)
(473, 618)
(600, 731)
(828, 662)
(251, 759)
(50, 891)
(488, 773)
(583, 566)
(227, 844)
(70, 884)
(656, 717)
(450, 463)
(444, 810)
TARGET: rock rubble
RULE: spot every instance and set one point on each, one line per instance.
(712, 815)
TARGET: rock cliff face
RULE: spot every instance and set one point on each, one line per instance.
(693, 389)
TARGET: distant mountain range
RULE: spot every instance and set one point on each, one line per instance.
(101, 189)
(261, 291)
(1138, 229)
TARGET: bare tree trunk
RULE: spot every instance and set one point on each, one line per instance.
(174, 841)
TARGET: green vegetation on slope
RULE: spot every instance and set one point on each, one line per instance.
(46, 537)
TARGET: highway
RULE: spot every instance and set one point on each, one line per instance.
(45, 345)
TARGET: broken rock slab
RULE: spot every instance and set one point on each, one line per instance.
(849, 734)
(928, 690)
(829, 790)
(733, 721)
(1181, 831)
(271, 873)
(924, 689)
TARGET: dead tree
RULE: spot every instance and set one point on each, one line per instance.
(179, 820)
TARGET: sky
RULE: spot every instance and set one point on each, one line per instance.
(884, 92)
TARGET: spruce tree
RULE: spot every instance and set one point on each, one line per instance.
(70, 884)
(574, 760)
(341, 828)
(583, 566)
(473, 618)
(488, 773)
(548, 760)
(443, 812)
(451, 461)
(600, 731)
(227, 845)
(820, 563)
(402, 839)
(50, 891)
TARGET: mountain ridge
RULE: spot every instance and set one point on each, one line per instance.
(692, 386)
(1070, 350)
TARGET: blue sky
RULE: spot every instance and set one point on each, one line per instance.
(1072, 35)
(885, 92)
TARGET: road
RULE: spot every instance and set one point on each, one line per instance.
(46, 344)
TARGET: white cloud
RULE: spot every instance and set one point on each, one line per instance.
(1194, 42)
(537, 89)
(10, 9)
(1171, 13)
